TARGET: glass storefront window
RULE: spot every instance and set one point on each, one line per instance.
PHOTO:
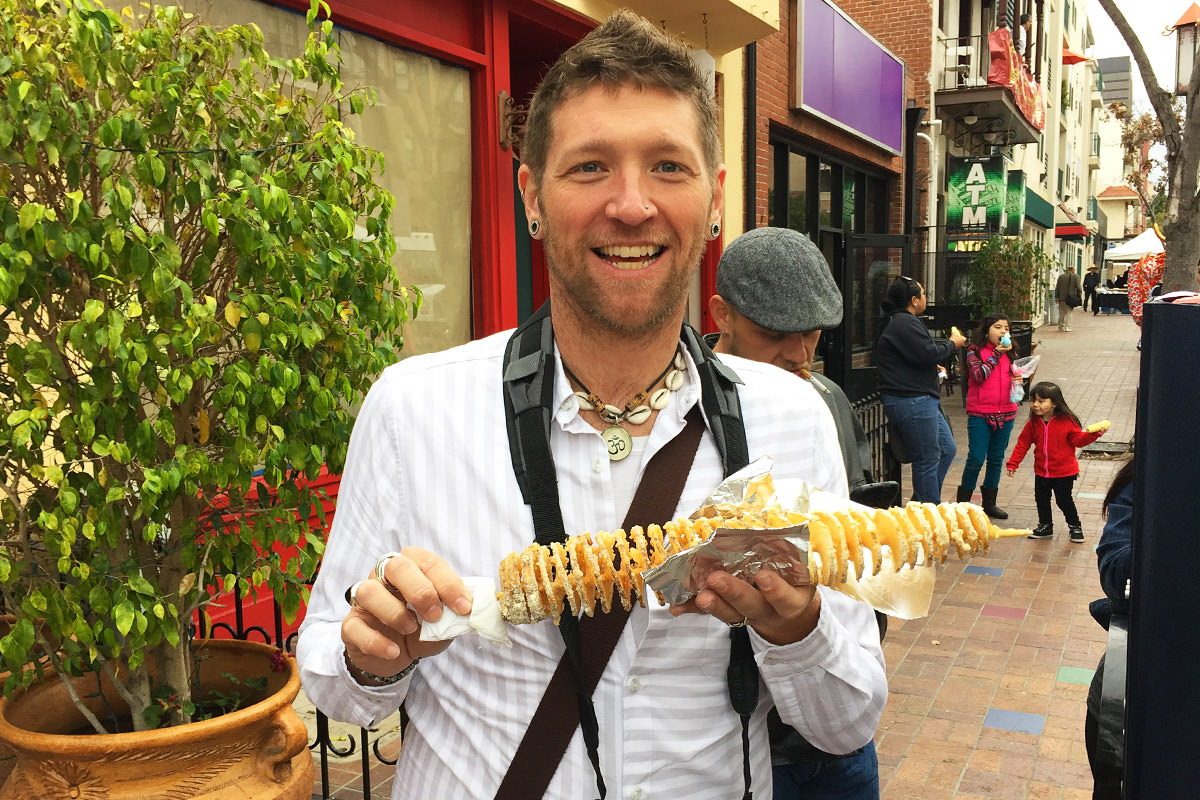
(825, 196)
(797, 192)
(421, 124)
(850, 219)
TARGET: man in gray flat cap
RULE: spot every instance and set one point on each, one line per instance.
(775, 294)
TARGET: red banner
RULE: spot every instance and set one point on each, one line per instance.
(1143, 276)
(1006, 69)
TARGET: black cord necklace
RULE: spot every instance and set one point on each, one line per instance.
(636, 411)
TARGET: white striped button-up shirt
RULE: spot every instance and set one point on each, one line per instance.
(429, 465)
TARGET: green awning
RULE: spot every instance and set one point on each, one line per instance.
(1037, 210)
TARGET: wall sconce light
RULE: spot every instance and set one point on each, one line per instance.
(970, 119)
(991, 136)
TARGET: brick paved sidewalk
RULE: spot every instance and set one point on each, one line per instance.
(988, 691)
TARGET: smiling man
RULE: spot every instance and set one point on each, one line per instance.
(622, 181)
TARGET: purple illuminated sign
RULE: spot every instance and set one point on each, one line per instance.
(848, 78)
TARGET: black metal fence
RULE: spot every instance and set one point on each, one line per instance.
(323, 745)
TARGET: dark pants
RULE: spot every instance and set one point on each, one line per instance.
(1089, 295)
(854, 777)
(1061, 488)
(985, 444)
(929, 440)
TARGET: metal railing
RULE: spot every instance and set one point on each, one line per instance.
(323, 744)
(870, 415)
(965, 61)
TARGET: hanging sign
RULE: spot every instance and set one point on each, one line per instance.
(975, 195)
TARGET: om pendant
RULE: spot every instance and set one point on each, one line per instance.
(619, 442)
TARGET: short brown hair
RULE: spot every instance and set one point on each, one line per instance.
(625, 50)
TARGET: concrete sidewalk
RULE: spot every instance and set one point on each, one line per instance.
(987, 693)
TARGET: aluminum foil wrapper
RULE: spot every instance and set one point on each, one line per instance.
(905, 593)
(751, 485)
(738, 551)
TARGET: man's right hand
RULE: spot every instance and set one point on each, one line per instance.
(382, 634)
(957, 339)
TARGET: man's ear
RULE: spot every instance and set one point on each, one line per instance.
(720, 312)
(529, 192)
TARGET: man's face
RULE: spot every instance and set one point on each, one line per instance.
(626, 203)
(790, 351)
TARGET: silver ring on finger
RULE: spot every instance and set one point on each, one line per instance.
(354, 597)
(741, 624)
(381, 570)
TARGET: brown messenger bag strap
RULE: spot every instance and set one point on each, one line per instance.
(558, 713)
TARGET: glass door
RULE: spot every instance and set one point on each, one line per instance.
(873, 261)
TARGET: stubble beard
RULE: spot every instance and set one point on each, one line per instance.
(621, 308)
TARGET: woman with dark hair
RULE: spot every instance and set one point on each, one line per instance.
(990, 410)
(909, 361)
(1114, 558)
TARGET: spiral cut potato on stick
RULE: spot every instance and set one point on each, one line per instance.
(589, 573)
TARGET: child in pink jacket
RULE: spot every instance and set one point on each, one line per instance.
(1055, 434)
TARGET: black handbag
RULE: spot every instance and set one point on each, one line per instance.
(1073, 300)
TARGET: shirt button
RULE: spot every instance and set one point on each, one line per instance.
(634, 685)
(597, 465)
(636, 794)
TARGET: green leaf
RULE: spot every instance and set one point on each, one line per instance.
(141, 586)
(123, 615)
(114, 494)
(17, 417)
(30, 215)
(99, 600)
(92, 310)
(38, 126)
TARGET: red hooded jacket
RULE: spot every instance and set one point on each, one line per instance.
(1054, 444)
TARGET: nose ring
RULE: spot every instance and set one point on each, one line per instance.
(647, 206)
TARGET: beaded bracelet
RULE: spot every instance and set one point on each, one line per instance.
(356, 671)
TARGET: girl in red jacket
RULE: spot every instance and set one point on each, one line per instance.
(1055, 433)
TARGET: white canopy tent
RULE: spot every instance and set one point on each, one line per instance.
(1143, 244)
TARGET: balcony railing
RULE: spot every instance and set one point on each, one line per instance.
(988, 61)
(965, 61)
(1095, 153)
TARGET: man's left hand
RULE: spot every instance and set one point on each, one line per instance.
(780, 612)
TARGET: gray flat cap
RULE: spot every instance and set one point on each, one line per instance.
(777, 278)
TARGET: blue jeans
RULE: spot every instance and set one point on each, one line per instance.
(929, 440)
(985, 443)
(852, 778)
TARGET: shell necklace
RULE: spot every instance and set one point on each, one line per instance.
(636, 411)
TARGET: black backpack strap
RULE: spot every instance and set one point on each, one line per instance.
(719, 396)
(528, 399)
(528, 395)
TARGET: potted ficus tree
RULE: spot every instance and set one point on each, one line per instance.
(195, 289)
(1006, 274)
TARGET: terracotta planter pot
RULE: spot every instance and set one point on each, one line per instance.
(260, 751)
